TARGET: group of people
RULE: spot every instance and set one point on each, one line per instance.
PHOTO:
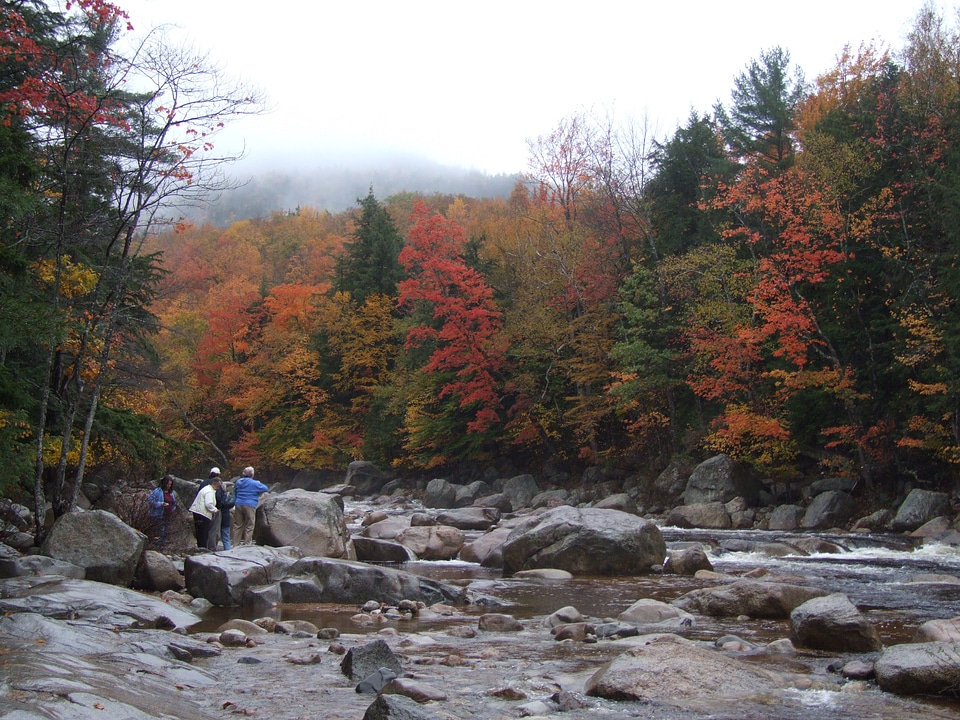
(211, 509)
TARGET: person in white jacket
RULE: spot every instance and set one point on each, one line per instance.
(204, 509)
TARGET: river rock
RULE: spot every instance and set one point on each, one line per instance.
(647, 611)
(468, 494)
(299, 591)
(671, 482)
(484, 547)
(366, 477)
(710, 515)
(499, 501)
(748, 597)
(930, 668)
(222, 578)
(498, 622)
(310, 521)
(721, 479)
(389, 706)
(564, 615)
(812, 545)
(669, 670)
(919, 507)
(438, 542)
(876, 520)
(350, 582)
(419, 691)
(374, 682)
(617, 501)
(585, 541)
(470, 518)
(156, 572)
(829, 509)
(544, 574)
(939, 527)
(687, 561)
(12, 564)
(520, 491)
(372, 550)
(550, 498)
(947, 630)
(785, 517)
(834, 624)
(90, 601)
(363, 660)
(387, 529)
(99, 542)
(440, 493)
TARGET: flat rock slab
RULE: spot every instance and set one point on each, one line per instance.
(104, 603)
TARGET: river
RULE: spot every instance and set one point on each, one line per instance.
(896, 581)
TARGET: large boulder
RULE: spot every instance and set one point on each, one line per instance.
(468, 494)
(785, 517)
(721, 479)
(710, 515)
(672, 481)
(470, 518)
(310, 521)
(834, 624)
(930, 668)
(748, 597)
(440, 493)
(585, 541)
(224, 578)
(520, 491)
(433, 542)
(829, 509)
(669, 670)
(98, 541)
(373, 550)
(354, 583)
(919, 507)
(366, 477)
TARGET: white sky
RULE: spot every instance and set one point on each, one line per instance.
(467, 83)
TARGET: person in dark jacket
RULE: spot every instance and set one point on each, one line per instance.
(225, 505)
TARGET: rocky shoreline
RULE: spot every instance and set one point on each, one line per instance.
(76, 642)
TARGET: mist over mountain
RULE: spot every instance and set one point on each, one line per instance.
(336, 186)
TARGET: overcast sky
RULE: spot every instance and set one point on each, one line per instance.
(467, 83)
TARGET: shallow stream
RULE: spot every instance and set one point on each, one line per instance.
(897, 582)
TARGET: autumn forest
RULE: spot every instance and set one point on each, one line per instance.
(778, 280)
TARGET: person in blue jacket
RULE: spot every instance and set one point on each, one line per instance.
(163, 504)
(247, 492)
